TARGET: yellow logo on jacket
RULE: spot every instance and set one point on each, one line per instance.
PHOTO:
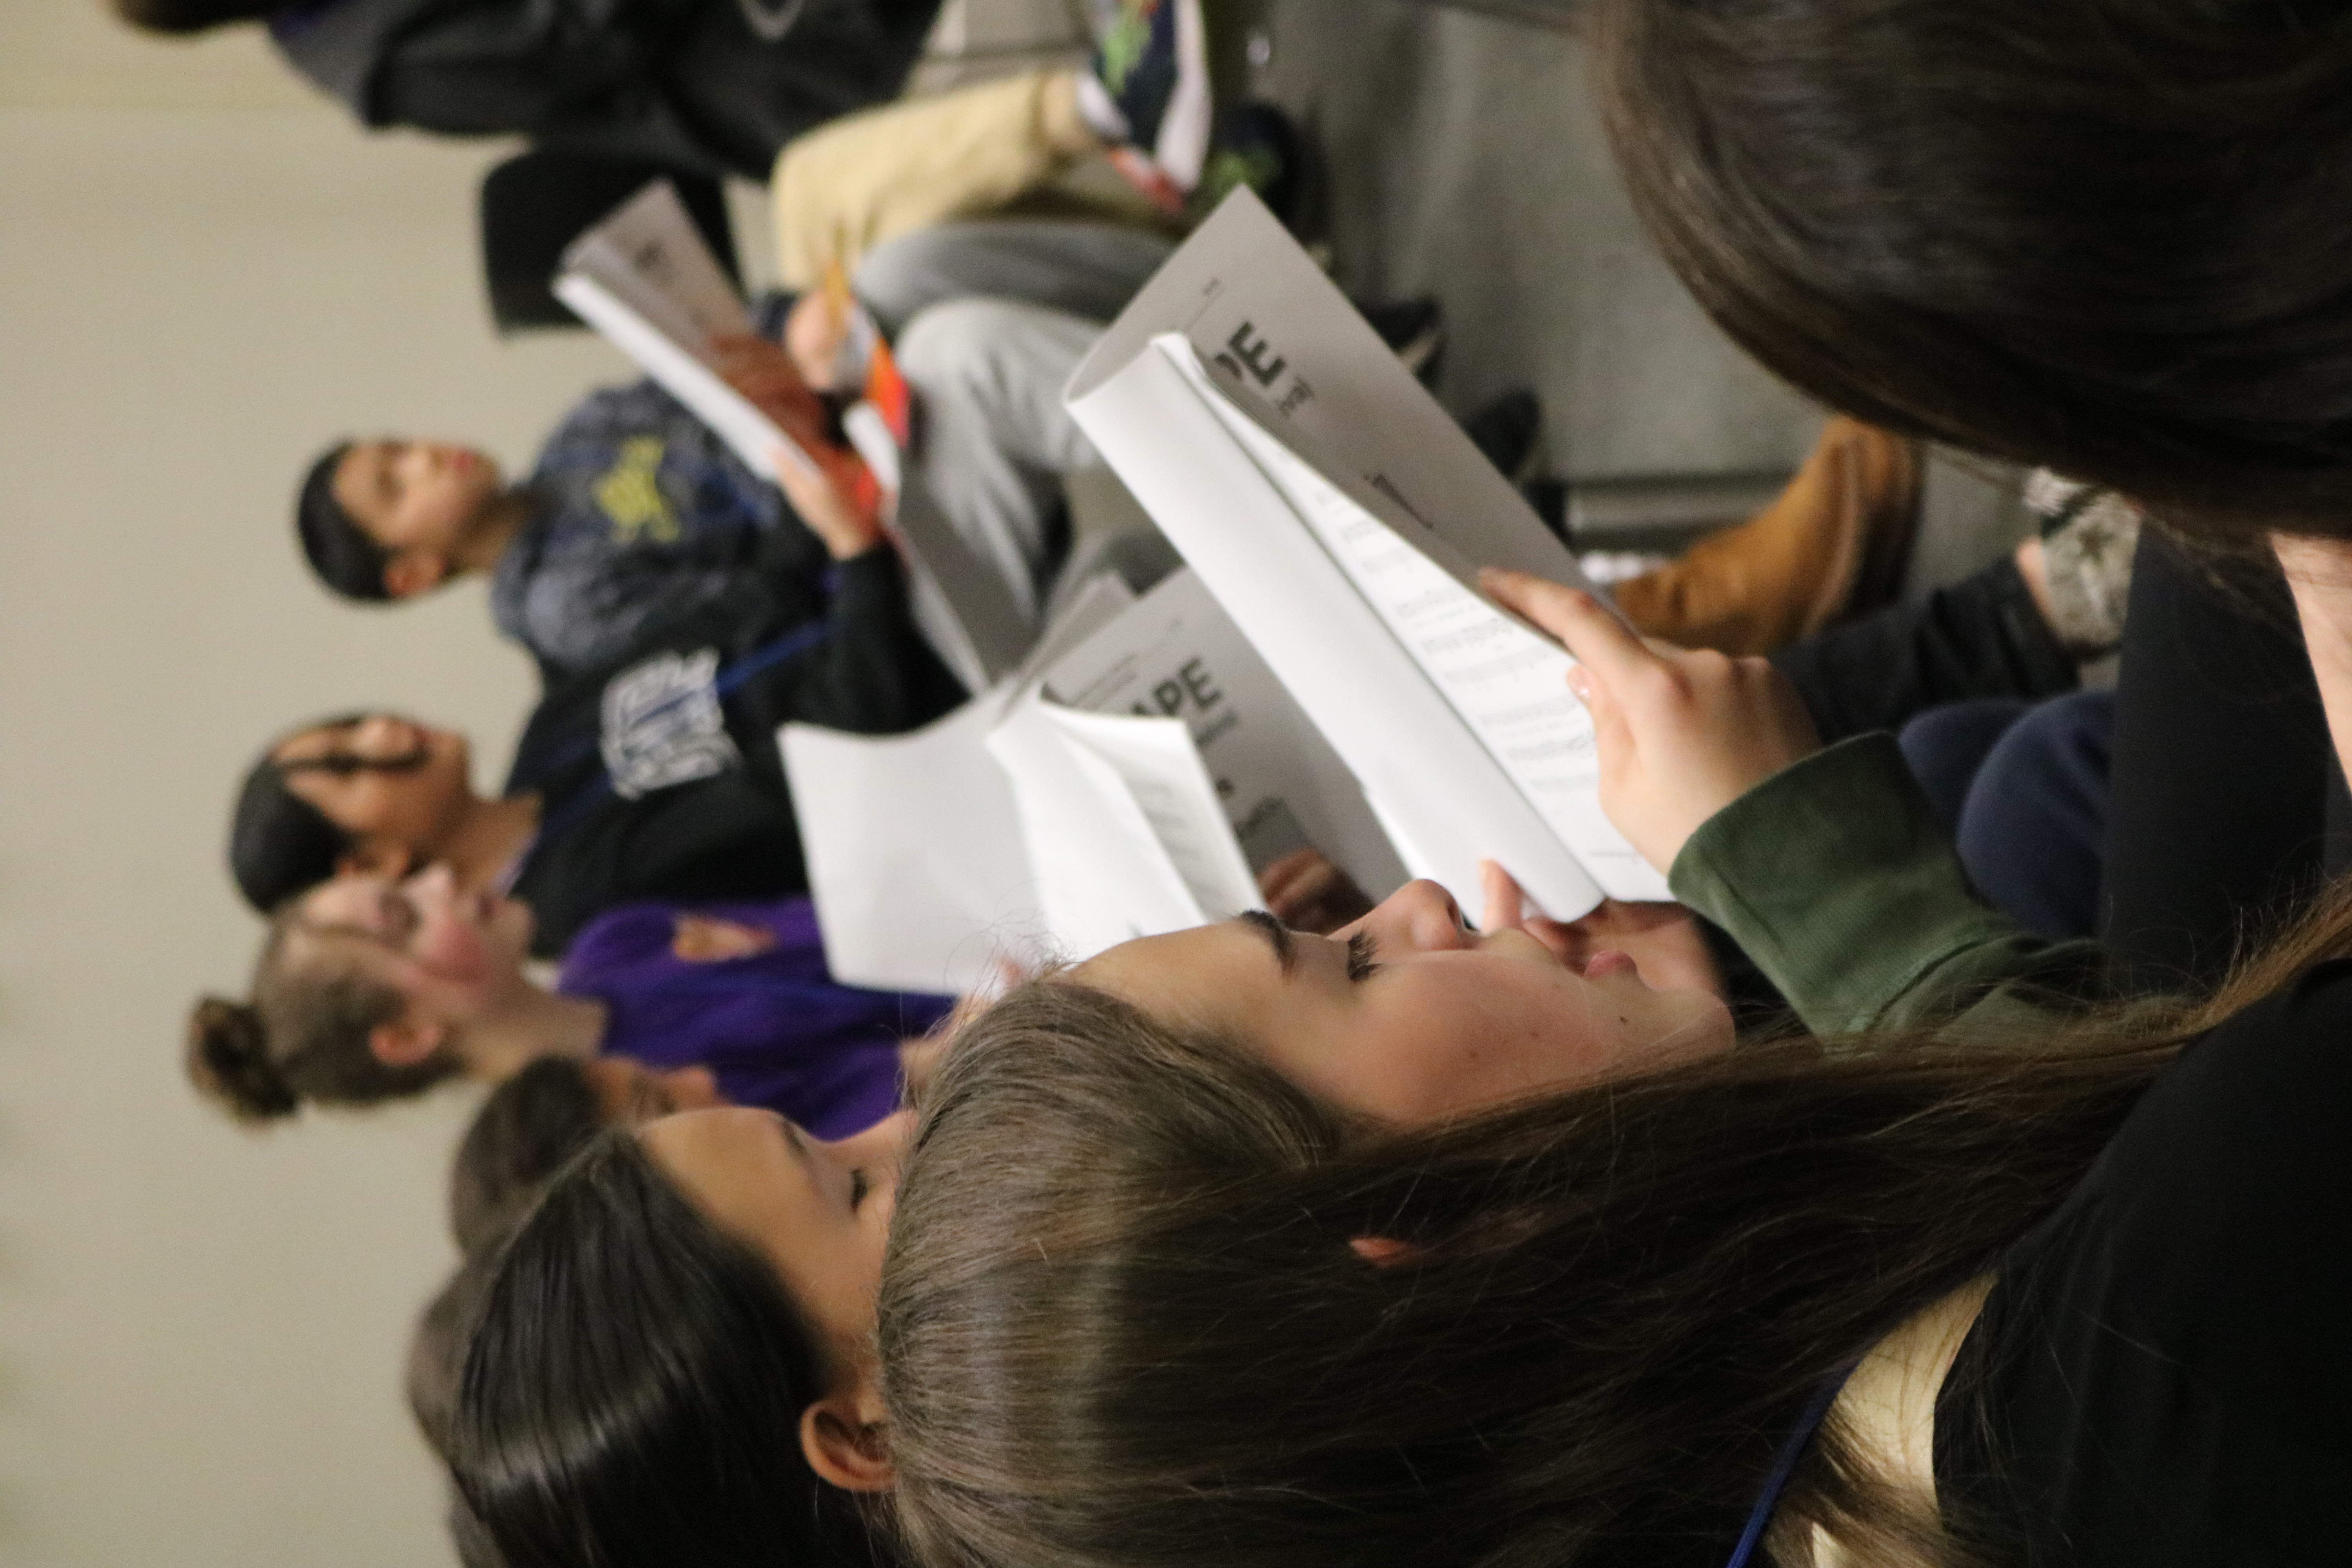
(630, 493)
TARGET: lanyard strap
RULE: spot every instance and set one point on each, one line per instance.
(1783, 1468)
(580, 802)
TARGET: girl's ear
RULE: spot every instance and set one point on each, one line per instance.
(844, 1447)
(406, 1042)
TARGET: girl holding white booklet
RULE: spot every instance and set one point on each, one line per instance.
(1242, 1248)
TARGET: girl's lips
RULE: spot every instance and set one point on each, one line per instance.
(1606, 962)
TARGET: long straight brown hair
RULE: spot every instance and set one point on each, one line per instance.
(1122, 1324)
(2109, 236)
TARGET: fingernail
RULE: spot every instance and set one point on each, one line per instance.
(1579, 682)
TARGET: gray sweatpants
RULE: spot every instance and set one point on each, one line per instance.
(988, 320)
(1085, 269)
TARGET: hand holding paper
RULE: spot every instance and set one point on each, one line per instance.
(1681, 734)
(829, 485)
(838, 499)
(1339, 515)
(766, 377)
(645, 279)
(831, 335)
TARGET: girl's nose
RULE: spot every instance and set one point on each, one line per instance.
(436, 881)
(1421, 917)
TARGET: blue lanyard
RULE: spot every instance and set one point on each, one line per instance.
(588, 796)
(1785, 1467)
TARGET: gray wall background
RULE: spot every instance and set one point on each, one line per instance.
(205, 276)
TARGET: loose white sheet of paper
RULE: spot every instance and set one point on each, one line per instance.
(1176, 654)
(1101, 873)
(919, 868)
(1160, 768)
(916, 859)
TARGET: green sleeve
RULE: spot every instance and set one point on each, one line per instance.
(1836, 879)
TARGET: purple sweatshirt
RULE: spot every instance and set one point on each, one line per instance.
(773, 1027)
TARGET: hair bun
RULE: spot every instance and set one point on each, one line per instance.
(228, 1059)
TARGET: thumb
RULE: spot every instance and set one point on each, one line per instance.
(1611, 735)
(1505, 905)
(1582, 624)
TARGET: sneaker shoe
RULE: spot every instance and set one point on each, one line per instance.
(2089, 538)
(1832, 546)
(1149, 92)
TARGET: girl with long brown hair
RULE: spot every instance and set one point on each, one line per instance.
(2008, 1280)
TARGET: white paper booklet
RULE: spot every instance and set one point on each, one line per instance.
(645, 279)
(1339, 515)
(1132, 782)
(1122, 823)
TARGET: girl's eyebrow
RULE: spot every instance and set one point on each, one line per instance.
(1276, 934)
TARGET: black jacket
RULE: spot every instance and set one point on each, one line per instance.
(708, 86)
(660, 777)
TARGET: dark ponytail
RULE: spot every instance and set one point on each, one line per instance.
(304, 1036)
(228, 1059)
(437, 1355)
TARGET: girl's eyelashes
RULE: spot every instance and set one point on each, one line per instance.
(858, 1187)
(1362, 956)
